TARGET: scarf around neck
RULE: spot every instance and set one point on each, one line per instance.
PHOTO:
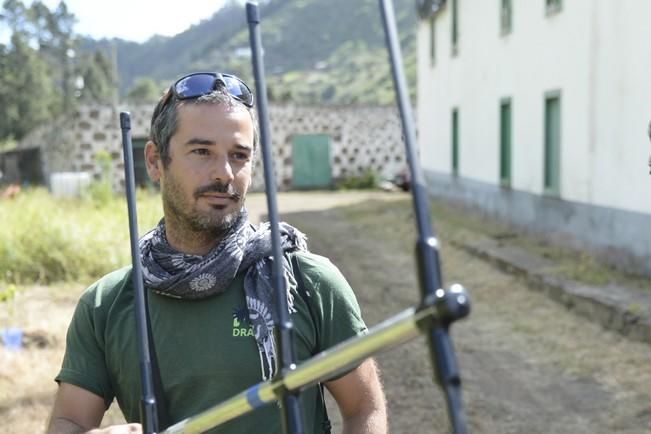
(246, 249)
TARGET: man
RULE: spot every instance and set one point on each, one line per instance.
(207, 273)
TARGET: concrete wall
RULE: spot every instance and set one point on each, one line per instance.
(596, 55)
(620, 85)
(618, 236)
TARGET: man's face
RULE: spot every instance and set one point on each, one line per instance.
(209, 173)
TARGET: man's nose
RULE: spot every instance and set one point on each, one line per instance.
(222, 170)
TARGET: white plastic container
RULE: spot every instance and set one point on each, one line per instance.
(69, 184)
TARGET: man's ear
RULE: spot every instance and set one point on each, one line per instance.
(153, 161)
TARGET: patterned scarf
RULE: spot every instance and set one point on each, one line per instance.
(244, 248)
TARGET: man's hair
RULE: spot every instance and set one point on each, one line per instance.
(164, 121)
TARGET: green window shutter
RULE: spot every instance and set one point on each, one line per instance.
(311, 161)
(552, 174)
(455, 142)
(432, 40)
(454, 27)
(506, 16)
(553, 6)
(505, 143)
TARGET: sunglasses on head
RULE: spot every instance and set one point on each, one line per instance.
(202, 83)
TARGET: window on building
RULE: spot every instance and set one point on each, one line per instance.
(454, 26)
(432, 39)
(505, 142)
(553, 6)
(455, 141)
(552, 169)
(506, 15)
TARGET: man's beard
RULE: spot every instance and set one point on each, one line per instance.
(189, 219)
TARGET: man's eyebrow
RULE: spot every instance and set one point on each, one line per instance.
(243, 147)
(208, 142)
(199, 141)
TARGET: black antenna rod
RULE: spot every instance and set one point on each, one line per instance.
(148, 407)
(285, 354)
(429, 269)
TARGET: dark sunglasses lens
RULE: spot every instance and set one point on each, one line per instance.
(195, 85)
(239, 90)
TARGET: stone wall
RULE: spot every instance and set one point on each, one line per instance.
(362, 139)
(72, 145)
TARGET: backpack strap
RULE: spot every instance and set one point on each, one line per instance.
(162, 411)
(306, 296)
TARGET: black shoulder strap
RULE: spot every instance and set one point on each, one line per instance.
(164, 420)
(305, 295)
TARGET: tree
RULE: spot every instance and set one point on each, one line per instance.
(26, 95)
(95, 73)
(37, 70)
(145, 90)
(53, 31)
(14, 13)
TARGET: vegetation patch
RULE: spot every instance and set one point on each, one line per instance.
(368, 180)
(44, 239)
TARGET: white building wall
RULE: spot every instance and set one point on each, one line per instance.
(621, 83)
(595, 52)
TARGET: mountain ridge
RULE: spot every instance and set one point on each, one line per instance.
(315, 52)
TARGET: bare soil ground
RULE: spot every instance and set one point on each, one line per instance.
(528, 364)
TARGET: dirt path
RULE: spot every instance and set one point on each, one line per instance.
(528, 365)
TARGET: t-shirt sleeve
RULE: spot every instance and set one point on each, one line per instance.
(338, 313)
(84, 363)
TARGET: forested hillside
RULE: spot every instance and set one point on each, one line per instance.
(315, 51)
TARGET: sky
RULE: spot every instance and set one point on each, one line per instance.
(136, 20)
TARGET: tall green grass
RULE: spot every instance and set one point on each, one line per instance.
(44, 239)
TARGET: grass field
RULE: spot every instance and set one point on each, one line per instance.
(44, 239)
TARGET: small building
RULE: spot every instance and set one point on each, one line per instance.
(536, 112)
(313, 146)
(21, 166)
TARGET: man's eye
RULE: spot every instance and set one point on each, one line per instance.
(240, 156)
(200, 151)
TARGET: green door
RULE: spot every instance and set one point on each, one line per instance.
(552, 173)
(311, 161)
(139, 167)
(505, 143)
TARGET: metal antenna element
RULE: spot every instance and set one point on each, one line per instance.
(285, 354)
(148, 407)
(440, 344)
(437, 310)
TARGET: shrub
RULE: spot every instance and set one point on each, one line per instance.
(7, 293)
(368, 180)
(100, 192)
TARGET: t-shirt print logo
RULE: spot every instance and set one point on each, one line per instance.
(242, 326)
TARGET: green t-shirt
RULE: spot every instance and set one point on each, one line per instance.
(206, 352)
